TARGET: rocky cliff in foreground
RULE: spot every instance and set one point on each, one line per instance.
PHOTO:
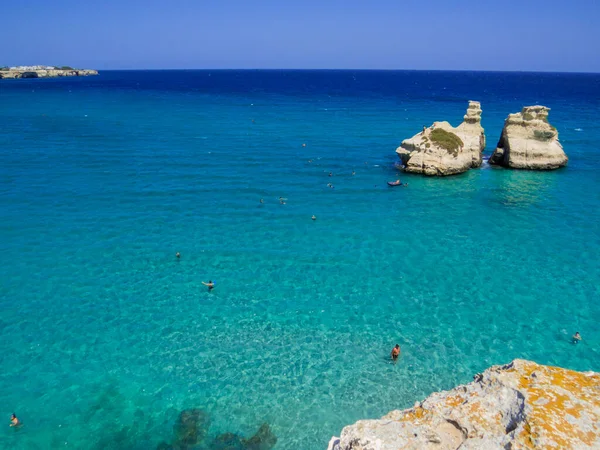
(522, 405)
(528, 141)
(444, 150)
(46, 73)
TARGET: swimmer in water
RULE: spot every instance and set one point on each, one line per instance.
(210, 285)
(261, 200)
(303, 145)
(353, 172)
(314, 217)
(576, 337)
(14, 422)
(177, 255)
(395, 352)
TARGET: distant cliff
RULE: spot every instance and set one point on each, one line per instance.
(36, 72)
(522, 405)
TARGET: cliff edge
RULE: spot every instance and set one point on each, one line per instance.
(522, 405)
(442, 149)
(528, 141)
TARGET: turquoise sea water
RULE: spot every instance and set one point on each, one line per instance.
(105, 336)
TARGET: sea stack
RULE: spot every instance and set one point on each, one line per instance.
(528, 141)
(442, 149)
(520, 405)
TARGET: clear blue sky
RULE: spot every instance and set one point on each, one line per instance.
(545, 35)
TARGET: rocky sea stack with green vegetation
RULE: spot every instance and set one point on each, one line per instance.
(442, 149)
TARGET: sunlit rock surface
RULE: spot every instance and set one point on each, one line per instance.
(528, 141)
(522, 405)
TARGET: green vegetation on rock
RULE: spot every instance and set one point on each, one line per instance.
(543, 135)
(446, 140)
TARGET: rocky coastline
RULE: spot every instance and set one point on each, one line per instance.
(43, 72)
(521, 405)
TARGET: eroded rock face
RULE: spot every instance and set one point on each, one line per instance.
(528, 141)
(423, 154)
(522, 405)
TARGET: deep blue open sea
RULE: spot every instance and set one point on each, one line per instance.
(105, 336)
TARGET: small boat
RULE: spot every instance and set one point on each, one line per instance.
(394, 183)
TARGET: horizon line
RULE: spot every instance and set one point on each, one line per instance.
(347, 70)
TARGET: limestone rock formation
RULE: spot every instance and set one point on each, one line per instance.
(444, 150)
(528, 141)
(522, 405)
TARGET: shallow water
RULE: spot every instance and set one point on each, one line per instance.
(105, 336)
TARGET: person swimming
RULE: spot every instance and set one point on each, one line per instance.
(177, 255)
(330, 174)
(576, 337)
(395, 352)
(210, 285)
(353, 172)
(314, 217)
(261, 200)
(14, 422)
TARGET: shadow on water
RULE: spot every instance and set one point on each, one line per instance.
(521, 188)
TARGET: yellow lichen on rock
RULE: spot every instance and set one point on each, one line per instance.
(557, 398)
(522, 405)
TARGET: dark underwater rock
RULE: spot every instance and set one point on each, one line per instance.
(264, 439)
(227, 441)
(191, 427)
